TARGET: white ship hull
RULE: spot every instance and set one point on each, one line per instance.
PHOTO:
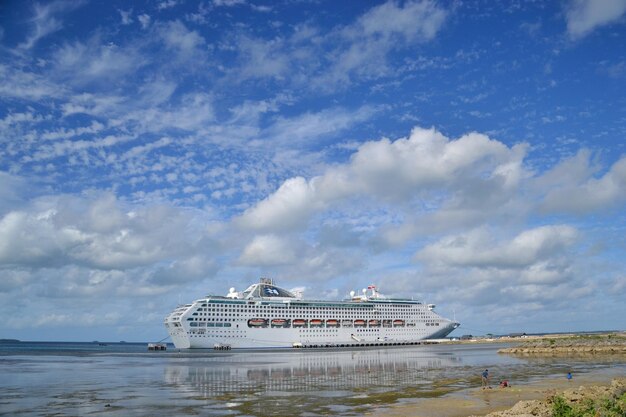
(269, 317)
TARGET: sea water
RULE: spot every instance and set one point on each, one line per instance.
(125, 379)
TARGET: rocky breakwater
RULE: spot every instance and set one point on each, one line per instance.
(608, 401)
(605, 344)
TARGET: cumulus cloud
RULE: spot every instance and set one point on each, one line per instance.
(477, 249)
(526, 271)
(268, 250)
(183, 270)
(583, 16)
(398, 171)
(289, 207)
(582, 193)
(55, 232)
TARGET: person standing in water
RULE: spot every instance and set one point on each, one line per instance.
(485, 379)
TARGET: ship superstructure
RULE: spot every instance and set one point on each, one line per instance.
(267, 316)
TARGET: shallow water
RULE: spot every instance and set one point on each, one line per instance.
(125, 380)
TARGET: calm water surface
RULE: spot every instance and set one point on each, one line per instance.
(80, 379)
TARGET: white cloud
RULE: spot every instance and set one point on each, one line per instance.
(63, 133)
(139, 150)
(192, 112)
(94, 104)
(31, 240)
(186, 43)
(12, 119)
(63, 320)
(145, 20)
(13, 192)
(228, 3)
(429, 159)
(79, 62)
(582, 193)
(583, 16)
(72, 147)
(360, 50)
(184, 270)
(45, 20)
(307, 128)
(268, 250)
(167, 4)
(415, 20)
(313, 59)
(425, 163)
(26, 85)
(263, 58)
(126, 16)
(477, 249)
(288, 208)
(94, 233)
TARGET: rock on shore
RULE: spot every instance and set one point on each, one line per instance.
(594, 397)
(597, 344)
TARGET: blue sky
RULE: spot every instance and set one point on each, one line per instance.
(469, 154)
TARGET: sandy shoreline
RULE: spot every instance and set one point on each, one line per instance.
(479, 402)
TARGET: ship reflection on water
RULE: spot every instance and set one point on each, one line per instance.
(309, 370)
(345, 382)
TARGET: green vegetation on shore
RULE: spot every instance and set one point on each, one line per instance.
(605, 406)
(591, 401)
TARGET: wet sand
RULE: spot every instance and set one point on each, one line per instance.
(479, 402)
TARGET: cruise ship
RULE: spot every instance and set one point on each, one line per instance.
(268, 316)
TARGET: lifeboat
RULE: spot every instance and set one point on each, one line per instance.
(346, 323)
(398, 323)
(316, 322)
(332, 323)
(298, 323)
(374, 323)
(257, 322)
(279, 322)
(359, 323)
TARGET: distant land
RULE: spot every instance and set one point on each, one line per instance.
(489, 337)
